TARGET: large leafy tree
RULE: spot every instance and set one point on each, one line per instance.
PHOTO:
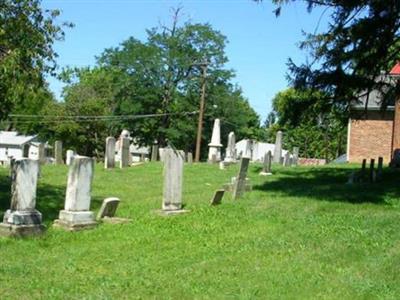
(309, 122)
(27, 34)
(362, 39)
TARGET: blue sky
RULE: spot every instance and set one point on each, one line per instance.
(258, 49)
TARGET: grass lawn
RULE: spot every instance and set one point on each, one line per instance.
(299, 234)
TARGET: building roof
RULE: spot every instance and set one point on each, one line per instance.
(12, 138)
(395, 70)
(376, 97)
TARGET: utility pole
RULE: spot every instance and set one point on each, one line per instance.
(203, 66)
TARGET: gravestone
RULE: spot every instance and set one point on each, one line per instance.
(239, 187)
(124, 162)
(76, 214)
(215, 145)
(295, 157)
(380, 168)
(41, 153)
(109, 157)
(190, 157)
(248, 150)
(161, 154)
(372, 175)
(154, 152)
(173, 180)
(69, 157)
(286, 159)
(217, 198)
(278, 148)
(107, 211)
(230, 149)
(363, 167)
(22, 219)
(266, 170)
(58, 153)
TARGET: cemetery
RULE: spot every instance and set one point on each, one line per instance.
(221, 150)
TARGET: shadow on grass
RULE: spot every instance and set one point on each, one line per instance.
(329, 184)
(49, 199)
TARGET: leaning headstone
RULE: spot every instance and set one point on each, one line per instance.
(124, 162)
(70, 155)
(230, 149)
(173, 180)
(278, 147)
(240, 184)
(217, 198)
(154, 152)
(380, 168)
(76, 214)
(295, 157)
(190, 157)
(109, 158)
(286, 159)
(22, 219)
(248, 150)
(266, 170)
(107, 211)
(58, 153)
(215, 145)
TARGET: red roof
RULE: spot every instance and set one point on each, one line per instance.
(396, 69)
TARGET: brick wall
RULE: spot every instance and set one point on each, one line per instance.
(370, 137)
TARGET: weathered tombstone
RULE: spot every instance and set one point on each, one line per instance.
(266, 170)
(41, 153)
(76, 214)
(70, 155)
(58, 153)
(161, 152)
(22, 219)
(230, 149)
(363, 169)
(278, 147)
(286, 159)
(295, 157)
(109, 157)
(154, 152)
(124, 162)
(217, 198)
(380, 168)
(107, 211)
(215, 145)
(213, 159)
(173, 179)
(240, 183)
(190, 157)
(372, 170)
(222, 165)
(248, 150)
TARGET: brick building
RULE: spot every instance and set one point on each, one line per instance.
(373, 132)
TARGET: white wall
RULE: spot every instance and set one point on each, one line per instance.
(259, 149)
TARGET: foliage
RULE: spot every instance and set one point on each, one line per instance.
(27, 34)
(160, 76)
(310, 122)
(297, 235)
(363, 39)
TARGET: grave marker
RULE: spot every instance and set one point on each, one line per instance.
(109, 159)
(58, 153)
(266, 170)
(240, 184)
(22, 219)
(124, 162)
(380, 168)
(278, 148)
(70, 156)
(215, 145)
(295, 157)
(217, 198)
(154, 152)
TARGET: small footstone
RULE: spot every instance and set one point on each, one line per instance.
(217, 198)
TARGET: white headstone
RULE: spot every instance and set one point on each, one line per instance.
(173, 178)
(278, 147)
(109, 157)
(70, 156)
(215, 145)
(124, 162)
(230, 149)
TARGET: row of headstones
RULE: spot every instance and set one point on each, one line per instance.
(23, 219)
(371, 176)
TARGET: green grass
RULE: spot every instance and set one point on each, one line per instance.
(299, 234)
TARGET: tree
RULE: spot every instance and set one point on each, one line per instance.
(363, 39)
(27, 34)
(309, 122)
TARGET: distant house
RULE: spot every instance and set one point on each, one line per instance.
(373, 132)
(15, 145)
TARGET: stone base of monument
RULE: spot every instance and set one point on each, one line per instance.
(115, 220)
(11, 230)
(75, 220)
(228, 187)
(171, 211)
(22, 223)
(265, 174)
